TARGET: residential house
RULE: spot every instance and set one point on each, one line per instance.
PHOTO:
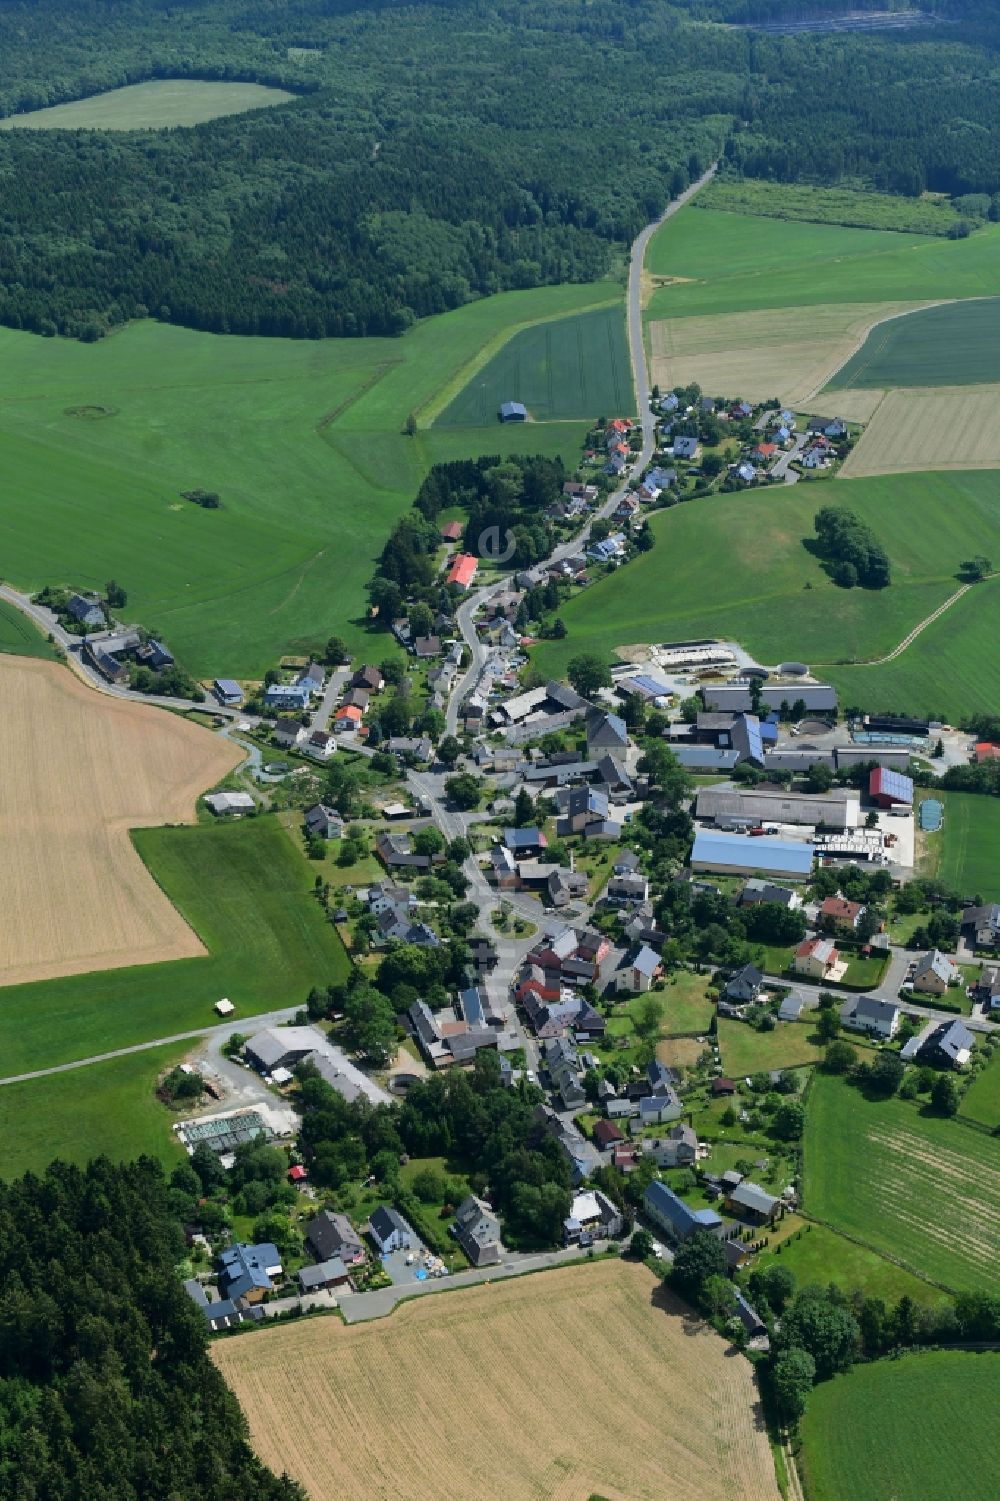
(670, 402)
(228, 692)
(370, 678)
(605, 732)
(477, 1230)
(463, 571)
(584, 806)
(415, 747)
(745, 986)
(320, 745)
(832, 428)
(249, 1272)
(396, 853)
(288, 733)
(356, 698)
(312, 677)
(657, 1109)
(839, 915)
(609, 549)
(347, 719)
(592, 1216)
(678, 1148)
(982, 926)
(286, 696)
(606, 1135)
(389, 1230)
(503, 869)
(565, 886)
(627, 889)
(756, 891)
(866, 1014)
(816, 959)
(329, 1234)
(87, 611)
(638, 973)
(523, 842)
(935, 972)
(748, 1201)
(323, 823)
(668, 1211)
(948, 1046)
(425, 647)
(744, 472)
(620, 1108)
(685, 447)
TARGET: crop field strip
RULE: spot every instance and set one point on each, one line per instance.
(955, 344)
(303, 440)
(572, 368)
(923, 1189)
(245, 892)
(889, 1430)
(80, 770)
(375, 1411)
(19, 637)
(937, 427)
(158, 104)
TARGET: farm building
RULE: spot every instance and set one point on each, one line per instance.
(671, 1213)
(281, 1047)
(225, 804)
(888, 789)
(817, 698)
(740, 854)
(463, 570)
(750, 1202)
(840, 808)
(451, 531)
(513, 411)
(228, 692)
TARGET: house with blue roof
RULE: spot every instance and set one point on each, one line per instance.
(670, 1213)
(249, 1272)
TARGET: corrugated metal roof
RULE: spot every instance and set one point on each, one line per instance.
(778, 856)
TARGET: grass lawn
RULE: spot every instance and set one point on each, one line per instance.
(734, 262)
(19, 637)
(822, 1256)
(303, 441)
(107, 1107)
(572, 368)
(246, 891)
(981, 1101)
(888, 1430)
(903, 1181)
(956, 344)
(746, 1051)
(688, 1008)
(845, 206)
(964, 853)
(735, 566)
(155, 105)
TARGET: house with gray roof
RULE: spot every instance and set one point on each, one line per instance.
(745, 986)
(249, 1272)
(477, 1230)
(329, 1234)
(948, 1046)
(87, 611)
(935, 972)
(982, 925)
(332, 1273)
(868, 1014)
(677, 1148)
(751, 1202)
(638, 973)
(389, 1230)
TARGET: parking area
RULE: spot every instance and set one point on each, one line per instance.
(418, 1264)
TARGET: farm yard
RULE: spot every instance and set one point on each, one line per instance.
(963, 854)
(955, 344)
(303, 440)
(80, 770)
(938, 427)
(577, 367)
(902, 1181)
(785, 352)
(889, 1429)
(159, 104)
(107, 1108)
(246, 891)
(369, 1412)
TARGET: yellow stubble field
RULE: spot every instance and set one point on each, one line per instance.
(579, 1381)
(81, 768)
(927, 427)
(789, 352)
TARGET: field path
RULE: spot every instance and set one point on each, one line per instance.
(897, 651)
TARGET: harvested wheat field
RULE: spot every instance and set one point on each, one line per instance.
(80, 769)
(582, 1380)
(785, 352)
(933, 427)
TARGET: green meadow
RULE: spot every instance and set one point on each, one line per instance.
(571, 368)
(822, 1256)
(108, 1108)
(735, 566)
(917, 1187)
(731, 263)
(156, 105)
(963, 854)
(842, 206)
(957, 344)
(246, 890)
(889, 1430)
(304, 442)
(19, 637)
(981, 1101)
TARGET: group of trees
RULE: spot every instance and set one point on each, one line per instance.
(856, 555)
(106, 1388)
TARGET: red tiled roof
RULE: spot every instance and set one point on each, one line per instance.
(987, 751)
(767, 449)
(451, 531)
(463, 570)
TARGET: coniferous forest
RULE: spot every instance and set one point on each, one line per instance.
(437, 152)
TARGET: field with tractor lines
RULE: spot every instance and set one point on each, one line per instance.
(936, 427)
(483, 1392)
(955, 344)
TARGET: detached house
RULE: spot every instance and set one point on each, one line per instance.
(745, 986)
(477, 1231)
(678, 1148)
(866, 1014)
(934, 973)
(840, 915)
(638, 973)
(816, 958)
(982, 925)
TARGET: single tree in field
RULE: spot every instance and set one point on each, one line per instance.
(587, 673)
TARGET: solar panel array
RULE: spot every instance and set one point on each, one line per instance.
(895, 785)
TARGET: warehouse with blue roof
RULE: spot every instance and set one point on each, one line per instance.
(745, 855)
(671, 1213)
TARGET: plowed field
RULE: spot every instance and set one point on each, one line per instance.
(79, 770)
(554, 1387)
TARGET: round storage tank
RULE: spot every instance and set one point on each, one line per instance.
(793, 670)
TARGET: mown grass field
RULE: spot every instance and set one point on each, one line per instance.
(923, 1189)
(106, 1108)
(735, 566)
(303, 441)
(245, 889)
(745, 1050)
(981, 1101)
(957, 344)
(370, 1410)
(155, 105)
(822, 1256)
(575, 367)
(889, 1430)
(964, 852)
(845, 206)
(19, 637)
(730, 263)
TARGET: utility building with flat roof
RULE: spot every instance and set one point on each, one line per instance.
(840, 808)
(740, 854)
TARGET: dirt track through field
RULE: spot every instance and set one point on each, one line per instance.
(79, 770)
(546, 1388)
